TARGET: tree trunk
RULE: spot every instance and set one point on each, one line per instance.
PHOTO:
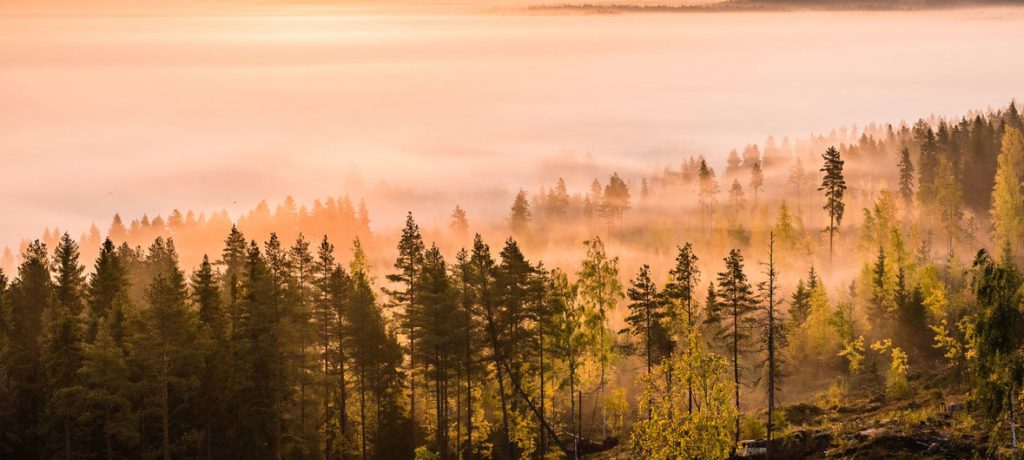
(469, 398)
(543, 435)
(165, 404)
(573, 426)
(736, 363)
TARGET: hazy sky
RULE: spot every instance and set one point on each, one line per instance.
(107, 110)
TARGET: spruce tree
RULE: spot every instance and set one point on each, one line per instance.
(31, 294)
(906, 181)
(107, 290)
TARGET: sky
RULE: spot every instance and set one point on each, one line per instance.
(126, 107)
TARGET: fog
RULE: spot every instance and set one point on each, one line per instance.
(132, 110)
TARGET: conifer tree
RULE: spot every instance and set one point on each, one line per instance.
(521, 216)
(645, 319)
(800, 304)
(435, 322)
(69, 282)
(906, 167)
(756, 180)
(736, 199)
(459, 224)
(616, 198)
(31, 294)
(466, 331)
(300, 262)
(209, 305)
(834, 186)
(775, 336)
(798, 177)
(233, 259)
(483, 280)
(707, 190)
(998, 331)
(405, 297)
(948, 200)
(733, 313)
(62, 355)
(680, 291)
(163, 350)
(558, 201)
(106, 380)
(107, 290)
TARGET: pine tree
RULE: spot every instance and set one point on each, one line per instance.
(483, 280)
(733, 313)
(756, 180)
(616, 198)
(558, 201)
(300, 262)
(798, 177)
(459, 225)
(834, 186)
(521, 216)
(465, 336)
(680, 291)
(162, 349)
(683, 280)
(645, 319)
(405, 297)
(435, 324)
(775, 335)
(707, 190)
(325, 322)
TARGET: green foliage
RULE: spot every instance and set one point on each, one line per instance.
(671, 432)
(897, 386)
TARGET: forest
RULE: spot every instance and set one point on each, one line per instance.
(855, 293)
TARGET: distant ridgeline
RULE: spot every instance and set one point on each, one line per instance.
(772, 5)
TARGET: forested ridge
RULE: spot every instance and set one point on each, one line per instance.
(674, 314)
